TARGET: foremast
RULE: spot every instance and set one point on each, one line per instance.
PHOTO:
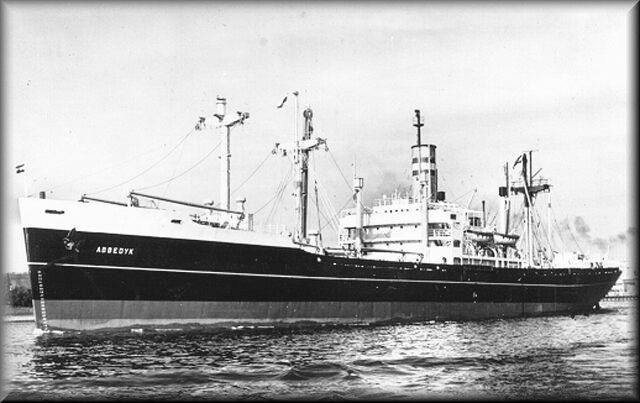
(223, 124)
(225, 150)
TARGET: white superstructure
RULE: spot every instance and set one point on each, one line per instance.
(422, 226)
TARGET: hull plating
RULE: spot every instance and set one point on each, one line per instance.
(111, 280)
(92, 315)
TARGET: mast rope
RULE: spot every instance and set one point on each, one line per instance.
(327, 220)
(319, 213)
(183, 172)
(349, 200)
(493, 218)
(137, 157)
(280, 193)
(324, 199)
(463, 195)
(252, 173)
(472, 197)
(146, 170)
(283, 181)
(175, 168)
(556, 226)
(339, 170)
(540, 234)
(572, 236)
(543, 231)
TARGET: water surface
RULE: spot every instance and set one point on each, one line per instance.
(592, 357)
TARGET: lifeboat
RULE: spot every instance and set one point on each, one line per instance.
(479, 236)
(505, 239)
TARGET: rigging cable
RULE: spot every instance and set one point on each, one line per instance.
(339, 170)
(463, 195)
(324, 199)
(283, 181)
(137, 157)
(538, 234)
(493, 218)
(175, 168)
(349, 200)
(317, 201)
(320, 196)
(146, 170)
(279, 194)
(472, 197)
(183, 172)
(544, 231)
(252, 173)
(556, 226)
(572, 236)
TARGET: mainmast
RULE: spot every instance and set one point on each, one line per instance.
(300, 150)
(358, 184)
(529, 190)
(503, 191)
(303, 181)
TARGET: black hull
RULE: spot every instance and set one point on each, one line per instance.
(161, 281)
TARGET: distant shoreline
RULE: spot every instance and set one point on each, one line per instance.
(18, 310)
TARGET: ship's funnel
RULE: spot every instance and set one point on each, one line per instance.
(423, 159)
(221, 107)
(423, 164)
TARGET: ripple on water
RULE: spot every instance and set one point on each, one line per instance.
(587, 356)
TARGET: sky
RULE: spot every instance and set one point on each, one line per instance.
(102, 94)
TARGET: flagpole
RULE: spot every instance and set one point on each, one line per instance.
(297, 112)
(20, 169)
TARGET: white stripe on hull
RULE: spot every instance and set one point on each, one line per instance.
(227, 273)
(93, 315)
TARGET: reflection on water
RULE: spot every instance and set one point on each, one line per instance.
(584, 357)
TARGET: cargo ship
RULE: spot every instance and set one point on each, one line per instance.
(99, 264)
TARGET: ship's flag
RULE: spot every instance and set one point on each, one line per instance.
(19, 168)
(201, 124)
(518, 160)
(285, 98)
